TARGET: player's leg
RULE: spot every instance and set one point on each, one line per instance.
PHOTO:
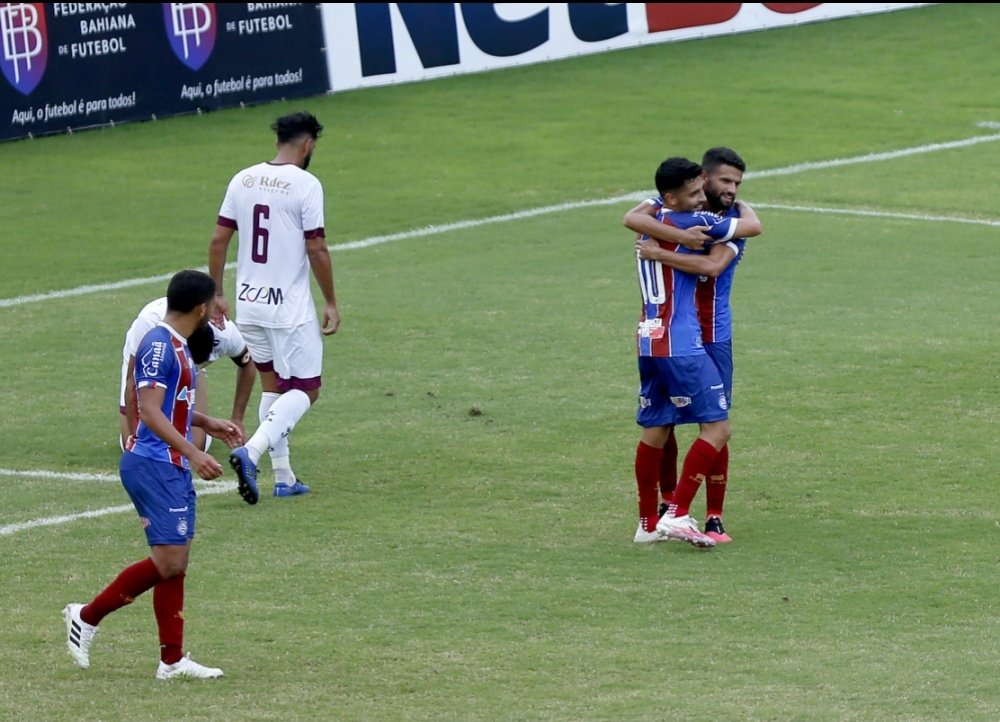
(668, 473)
(655, 417)
(717, 482)
(291, 362)
(697, 390)
(150, 491)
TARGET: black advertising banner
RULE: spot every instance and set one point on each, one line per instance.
(68, 66)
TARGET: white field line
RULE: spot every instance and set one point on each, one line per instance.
(879, 214)
(460, 225)
(204, 488)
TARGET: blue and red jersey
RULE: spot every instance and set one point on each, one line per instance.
(163, 361)
(712, 296)
(669, 324)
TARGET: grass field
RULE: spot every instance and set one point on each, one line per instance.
(467, 552)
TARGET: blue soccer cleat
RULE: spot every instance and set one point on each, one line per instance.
(290, 490)
(246, 472)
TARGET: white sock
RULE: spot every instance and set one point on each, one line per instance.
(280, 462)
(282, 470)
(278, 422)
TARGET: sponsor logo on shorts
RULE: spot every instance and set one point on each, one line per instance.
(644, 403)
(680, 401)
(178, 510)
(144, 521)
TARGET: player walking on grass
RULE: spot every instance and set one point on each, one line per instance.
(277, 209)
(156, 473)
(723, 170)
(679, 383)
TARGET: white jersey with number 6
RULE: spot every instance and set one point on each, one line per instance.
(274, 208)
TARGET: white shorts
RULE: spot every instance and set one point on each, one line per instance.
(295, 355)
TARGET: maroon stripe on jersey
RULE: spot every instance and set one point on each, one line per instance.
(704, 298)
(181, 409)
(296, 383)
(661, 346)
(226, 222)
(316, 233)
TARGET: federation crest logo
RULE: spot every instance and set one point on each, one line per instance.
(191, 29)
(25, 44)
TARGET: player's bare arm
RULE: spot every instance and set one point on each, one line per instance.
(218, 248)
(151, 414)
(130, 402)
(711, 264)
(642, 219)
(246, 374)
(749, 224)
(322, 268)
(225, 431)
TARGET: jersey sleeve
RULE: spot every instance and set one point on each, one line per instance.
(143, 324)
(719, 229)
(154, 362)
(228, 341)
(227, 212)
(312, 211)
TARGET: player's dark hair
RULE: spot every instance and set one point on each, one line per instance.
(715, 157)
(674, 173)
(187, 289)
(201, 343)
(295, 125)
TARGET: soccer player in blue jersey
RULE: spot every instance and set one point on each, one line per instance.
(679, 383)
(723, 170)
(156, 473)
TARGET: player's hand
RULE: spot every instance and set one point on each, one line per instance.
(205, 465)
(647, 249)
(221, 312)
(238, 423)
(331, 319)
(696, 238)
(226, 431)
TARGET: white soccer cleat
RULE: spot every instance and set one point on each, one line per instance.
(645, 537)
(187, 667)
(79, 635)
(683, 528)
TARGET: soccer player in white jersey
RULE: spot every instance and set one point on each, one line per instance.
(277, 209)
(207, 344)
